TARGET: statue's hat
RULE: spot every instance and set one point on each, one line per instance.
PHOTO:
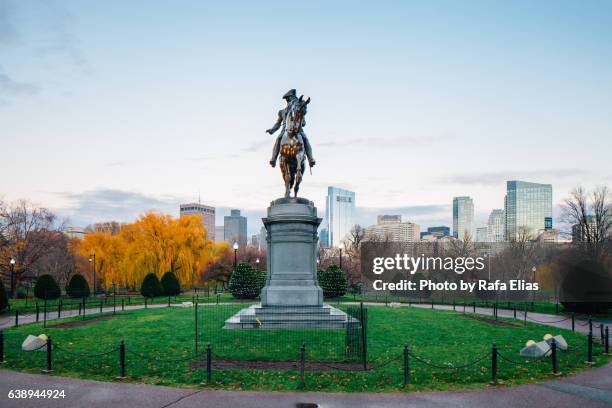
(292, 92)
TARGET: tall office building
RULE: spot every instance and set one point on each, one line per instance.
(496, 226)
(388, 219)
(323, 237)
(463, 218)
(436, 232)
(219, 233)
(263, 238)
(235, 228)
(339, 213)
(482, 234)
(206, 212)
(528, 209)
(393, 230)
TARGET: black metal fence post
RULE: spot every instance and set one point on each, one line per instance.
(494, 364)
(302, 364)
(122, 360)
(145, 303)
(601, 333)
(364, 339)
(607, 342)
(474, 307)
(37, 312)
(514, 310)
(1, 346)
(406, 367)
(590, 348)
(218, 297)
(45, 313)
(454, 305)
(49, 356)
(59, 309)
(525, 316)
(553, 356)
(101, 305)
(573, 321)
(84, 306)
(195, 317)
(208, 363)
(122, 304)
(16, 317)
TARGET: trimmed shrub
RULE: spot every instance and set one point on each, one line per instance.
(170, 284)
(333, 281)
(21, 293)
(151, 287)
(3, 297)
(77, 287)
(247, 281)
(47, 288)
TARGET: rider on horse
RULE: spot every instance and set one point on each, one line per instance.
(291, 99)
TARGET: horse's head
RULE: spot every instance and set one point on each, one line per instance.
(296, 113)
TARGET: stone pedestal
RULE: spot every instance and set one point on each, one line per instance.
(291, 296)
(292, 239)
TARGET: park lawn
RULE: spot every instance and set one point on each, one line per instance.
(161, 342)
(29, 307)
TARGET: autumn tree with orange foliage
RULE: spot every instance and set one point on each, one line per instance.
(154, 243)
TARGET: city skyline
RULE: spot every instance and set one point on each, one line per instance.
(120, 129)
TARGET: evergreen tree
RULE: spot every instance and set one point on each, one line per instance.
(3, 297)
(170, 284)
(151, 287)
(47, 288)
(333, 281)
(247, 281)
(77, 286)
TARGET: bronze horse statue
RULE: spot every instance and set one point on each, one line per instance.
(292, 154)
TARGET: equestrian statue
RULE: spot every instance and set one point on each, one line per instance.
(292, 144)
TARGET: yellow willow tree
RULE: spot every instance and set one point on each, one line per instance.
(110, 252)
(154, 243)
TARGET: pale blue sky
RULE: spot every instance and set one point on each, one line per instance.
(108, 109)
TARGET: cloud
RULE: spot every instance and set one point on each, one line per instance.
(8, 32)
(495, 178)
(60, 36)
(380, 142)
(11, 88)
(253, 147)
(428, 215)
(113, 205)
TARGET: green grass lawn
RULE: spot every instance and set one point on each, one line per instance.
(29, 306)
(157, 339)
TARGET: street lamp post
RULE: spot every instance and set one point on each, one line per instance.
(12, 262)
(92, 258)
(341, 247)
(257, 263)
(533, 281)
(235, 254)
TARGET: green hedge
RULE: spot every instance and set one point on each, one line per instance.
(47, 288)
(170, 284)
(3, 297)
(77, 287)
(246, 281)
(151, 287)
(333, 281)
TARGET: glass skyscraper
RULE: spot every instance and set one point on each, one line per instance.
(497, 226)
(339, 214)
(528, 207)
(463, 218)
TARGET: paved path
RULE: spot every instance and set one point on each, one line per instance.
(592, 389)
